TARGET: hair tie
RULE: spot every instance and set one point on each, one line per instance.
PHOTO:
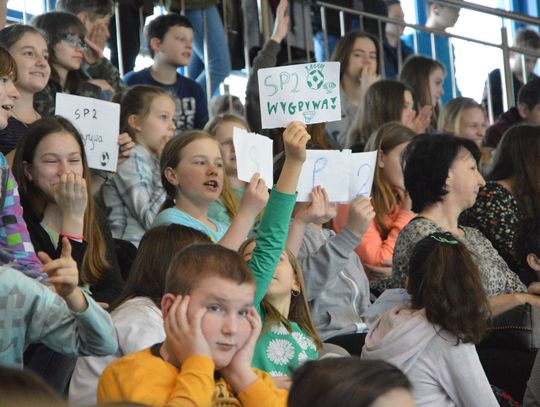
(441, 239)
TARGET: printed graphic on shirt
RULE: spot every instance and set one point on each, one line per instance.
(224, 397)
(184, 117)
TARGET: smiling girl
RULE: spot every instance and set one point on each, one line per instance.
(426, 78)
(29, 49)
(65, 33)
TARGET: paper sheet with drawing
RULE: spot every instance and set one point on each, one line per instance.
(253, 154)
(98, 122)
(344, 175)
(306, 92)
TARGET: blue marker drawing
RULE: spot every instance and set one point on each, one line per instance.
(362, 169)
(320, 164)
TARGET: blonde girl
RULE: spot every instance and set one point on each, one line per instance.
(390, 201)
(464, 117)
(221, 127)
(134, 194)
(192, 174)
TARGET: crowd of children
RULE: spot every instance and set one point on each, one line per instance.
(173, 282)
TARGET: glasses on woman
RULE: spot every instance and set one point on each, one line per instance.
(75, 41)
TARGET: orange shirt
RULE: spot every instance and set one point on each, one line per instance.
(373, 248)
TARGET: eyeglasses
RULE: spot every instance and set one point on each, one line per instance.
(75, 41)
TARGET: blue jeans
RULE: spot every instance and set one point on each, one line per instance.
(218, 52)
(318, 42)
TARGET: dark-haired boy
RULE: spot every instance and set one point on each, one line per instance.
(529, 40)
(170, 39)
(526, 111)
(211, 330)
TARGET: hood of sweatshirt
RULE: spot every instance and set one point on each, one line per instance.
(399, 336)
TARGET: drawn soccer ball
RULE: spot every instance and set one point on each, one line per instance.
(315, 79)
(104, 158)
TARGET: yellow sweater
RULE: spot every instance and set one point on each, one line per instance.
(142, 377)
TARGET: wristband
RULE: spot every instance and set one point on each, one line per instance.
(72, 237)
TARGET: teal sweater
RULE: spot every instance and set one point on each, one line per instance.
(278, 352)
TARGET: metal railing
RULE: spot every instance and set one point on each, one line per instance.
(503, 45)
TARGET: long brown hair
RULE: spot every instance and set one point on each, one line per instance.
(343, 50)
(8, 66)
(383, 103)
(34, 200)
(171, 157)
(415, 73)
(383, 197)
(517, 157)
(444, 280)
(299, 310)
(56, 25)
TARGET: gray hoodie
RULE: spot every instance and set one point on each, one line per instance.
(442, 372)
(336, 284)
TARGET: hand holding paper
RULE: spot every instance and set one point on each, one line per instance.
(253, 155)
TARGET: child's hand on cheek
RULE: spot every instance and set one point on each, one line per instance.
(184, 336)
(295, 138)
(239, 373)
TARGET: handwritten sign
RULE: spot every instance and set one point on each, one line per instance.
(329, 169)
(307, 92)
(253, 154)
(362, 172)
(98, 122)
(343, 174)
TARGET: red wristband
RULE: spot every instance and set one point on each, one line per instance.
(72, 237)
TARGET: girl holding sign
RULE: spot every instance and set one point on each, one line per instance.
(193, 176)
(288, 335)
(134, 194)
(391, 203)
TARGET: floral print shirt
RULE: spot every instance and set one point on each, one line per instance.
(498, 279)
(496, 214)
(278, 352)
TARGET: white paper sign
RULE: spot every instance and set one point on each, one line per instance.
(98, 122)
(307, 92)
(362, 172)
(329, 169)
(253, 154)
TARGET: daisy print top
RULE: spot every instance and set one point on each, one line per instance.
(279, 351)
